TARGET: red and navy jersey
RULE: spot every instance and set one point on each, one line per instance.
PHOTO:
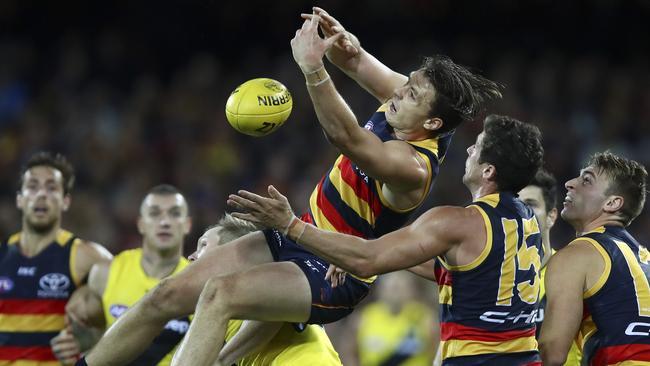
(33, 294)
(347, 200)
(488, 307)
(616, 321)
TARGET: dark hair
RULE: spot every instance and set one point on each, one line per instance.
(514, 148)
(164, 190)
(548, 184)
(460, 94)
(56, 161)
(628, 179)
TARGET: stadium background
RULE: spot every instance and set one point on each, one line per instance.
(133, 93)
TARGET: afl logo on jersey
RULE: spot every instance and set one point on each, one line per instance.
(54, 285)
(369, 125)
(6, 284)
(117, 309)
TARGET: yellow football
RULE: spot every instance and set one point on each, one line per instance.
(259, 106)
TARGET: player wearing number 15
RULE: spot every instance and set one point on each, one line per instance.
(597, 286)
(488, 253)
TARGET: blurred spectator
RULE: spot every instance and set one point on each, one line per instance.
(396, 329)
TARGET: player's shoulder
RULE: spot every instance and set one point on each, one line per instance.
(453, 220)
(92, 251)
(581, 252)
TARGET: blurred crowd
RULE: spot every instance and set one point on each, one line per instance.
(134, 94)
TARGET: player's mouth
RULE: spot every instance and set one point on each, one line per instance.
(40, 210)
(164, 236)
(567, 200)
(392, 107)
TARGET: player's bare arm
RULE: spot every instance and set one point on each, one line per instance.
(251, 335)
(436, 232)
(424, 270)
(395, 162)
(571, 271)
(348, 55)
(88, 254)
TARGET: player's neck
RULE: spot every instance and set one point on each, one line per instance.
(159, 263)
(484, 190)
(609, 220)
(33, 242)
(412, 135)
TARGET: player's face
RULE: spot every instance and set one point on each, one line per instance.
(41, 198)
(534, 198)
(473, 170)
(585, 196)
(209, 239)
(408, 109)
(164, 221)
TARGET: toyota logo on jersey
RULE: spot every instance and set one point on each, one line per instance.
(54, 285)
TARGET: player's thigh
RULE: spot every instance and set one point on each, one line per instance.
(239, 255)
(276, 291)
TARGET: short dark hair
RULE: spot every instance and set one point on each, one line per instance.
(628, 179)
(56, 161)
(164, 190)
(514, 148)
(548, 184)
(460, 93)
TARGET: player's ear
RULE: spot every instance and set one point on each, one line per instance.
(489, 172)
(67, 199)
(613, 204)
(433, 123)
(551, 216)
(140, 225)
(187, 225)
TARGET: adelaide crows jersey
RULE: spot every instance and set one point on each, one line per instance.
(33, 294)
(616, 322)
(488, 306)
(349, 201)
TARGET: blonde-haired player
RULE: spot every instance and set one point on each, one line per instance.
(282, 343)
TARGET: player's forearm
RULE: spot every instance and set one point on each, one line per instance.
(371, 74)
(424, 270)
(348, 252)
(250, 336)
(334, 115)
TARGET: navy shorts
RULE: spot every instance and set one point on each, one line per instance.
(327, 304)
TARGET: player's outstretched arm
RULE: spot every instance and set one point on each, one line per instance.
(348, 55)
(431, 235)
(393, 162)
(565, 284)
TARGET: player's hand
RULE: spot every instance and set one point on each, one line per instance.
(65, 347)
(307, 46)
(346, 47)
(273, 211)
(335, 275)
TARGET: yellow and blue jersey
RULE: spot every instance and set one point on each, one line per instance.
(127, 283)
(488, 306)
(347, 200)
(403, 338)
(290, 347)
(616, 322)
(33, 294)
